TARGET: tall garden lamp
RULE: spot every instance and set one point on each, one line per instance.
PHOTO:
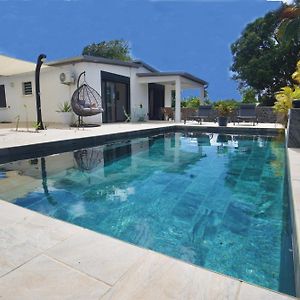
(39, 63)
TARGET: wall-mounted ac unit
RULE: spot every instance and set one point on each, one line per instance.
(67, 77)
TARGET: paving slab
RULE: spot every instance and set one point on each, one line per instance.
(100, 256)
(250, 292)
(45, 278)
(161, 277)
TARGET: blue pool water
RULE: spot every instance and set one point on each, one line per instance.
(217, 201)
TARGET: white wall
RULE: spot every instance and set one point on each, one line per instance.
(54, 93)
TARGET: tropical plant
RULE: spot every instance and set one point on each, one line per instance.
(191, 102)
(114, 49)
(64, 107)
(225, 107)
(286, 95)
(289, 28)
(249, 95)
(36, 126)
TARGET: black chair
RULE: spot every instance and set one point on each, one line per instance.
(247, 112)
(204, 113)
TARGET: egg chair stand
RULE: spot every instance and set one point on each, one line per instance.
(85, 102)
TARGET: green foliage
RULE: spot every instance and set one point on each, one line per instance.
(64, 107)
(225, 107)
(249, 95)
(286, 95)
(289, 28)
(191, 102)
(114, 49)
(36, 125)
(260, 62)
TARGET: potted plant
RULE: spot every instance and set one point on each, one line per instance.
(225, 109)
(65, 113)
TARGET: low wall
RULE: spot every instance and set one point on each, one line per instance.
(293, 132)
(265, 114)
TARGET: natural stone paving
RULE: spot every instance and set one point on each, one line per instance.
(44, 258)
(294, 168)
(11, 138)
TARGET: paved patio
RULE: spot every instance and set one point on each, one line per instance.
(44, 258)
(12, 138)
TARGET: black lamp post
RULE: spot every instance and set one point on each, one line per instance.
(39, 63)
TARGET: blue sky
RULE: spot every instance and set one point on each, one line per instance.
(171, 35)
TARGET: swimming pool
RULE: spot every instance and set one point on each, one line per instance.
(217, 201)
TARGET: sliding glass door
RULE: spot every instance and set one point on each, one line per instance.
(115, 97)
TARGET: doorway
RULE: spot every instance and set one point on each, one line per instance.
(156, 101)
(115, 97)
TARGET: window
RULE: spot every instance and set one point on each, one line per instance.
(2, 96)
(27, 88)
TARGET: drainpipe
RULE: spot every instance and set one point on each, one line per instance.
(39, 63)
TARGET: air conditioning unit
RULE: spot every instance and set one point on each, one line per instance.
(67, 77)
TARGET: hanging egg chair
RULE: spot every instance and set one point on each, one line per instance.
(88, 159)
(85, 101)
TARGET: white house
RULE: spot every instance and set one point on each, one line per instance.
(134, 86)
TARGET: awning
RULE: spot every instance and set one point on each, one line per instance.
(187, 80)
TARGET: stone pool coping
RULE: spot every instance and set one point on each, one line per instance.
(45, 258)
(22, 145)
(293, 157)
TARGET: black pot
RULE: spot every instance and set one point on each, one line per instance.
(296, 103)
(222, 121)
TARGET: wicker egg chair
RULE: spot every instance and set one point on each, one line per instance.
(85, 101)
(88, 159)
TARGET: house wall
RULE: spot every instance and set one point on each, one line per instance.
(54, 93)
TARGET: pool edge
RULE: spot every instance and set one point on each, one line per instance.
(293, 167)
(45, 148)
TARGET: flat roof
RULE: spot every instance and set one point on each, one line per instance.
(102, 60)
(94, 59)
(10, 66)
(182, 74)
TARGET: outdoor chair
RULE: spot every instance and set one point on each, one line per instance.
(168, 113)
(204, 113)
(127, 115)
(247, 112)
(187, 113)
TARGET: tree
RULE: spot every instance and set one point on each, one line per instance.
(191, 102)
(260, 62)
(249, 95)
(115, 49)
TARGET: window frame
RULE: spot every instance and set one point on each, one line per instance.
(24, 89)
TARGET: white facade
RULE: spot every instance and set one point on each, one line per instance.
(54, 93)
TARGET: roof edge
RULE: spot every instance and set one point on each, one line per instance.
(94, 59)
(183, 74)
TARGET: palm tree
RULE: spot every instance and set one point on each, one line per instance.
(289, 28)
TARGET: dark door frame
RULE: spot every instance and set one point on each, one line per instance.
(114, 78)
(3, 102)
(156, 91)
